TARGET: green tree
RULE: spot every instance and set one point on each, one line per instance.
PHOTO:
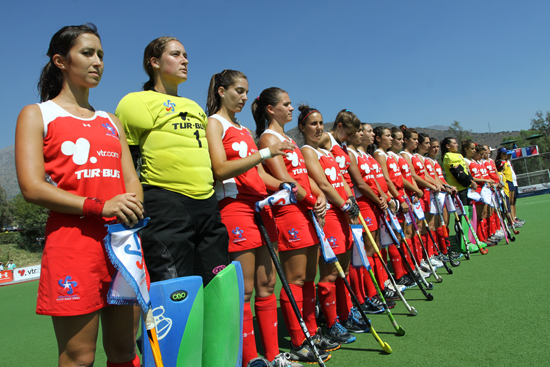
(459, 132)
(541, 125)
(30, 218)
(5, 208)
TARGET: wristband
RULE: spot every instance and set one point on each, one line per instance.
(309, 200)
(400, 199)
(345, 207)
(265, 153)
(388, 199)
(93, 207)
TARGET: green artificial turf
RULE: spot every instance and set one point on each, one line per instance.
(493, 311)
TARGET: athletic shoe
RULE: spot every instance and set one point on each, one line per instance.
(407, 281)
(323, 342)
(355, 322)
(282, 360)
(443, 258)
(499, 233)
(372, 306)
(259, 362)
(303, 353)
(518, 224)
(435, 263)
(389, 302)
(389, 285)
(390, 295)
(424, 266)
(340, 334)
(419, 274)
(456, 255)
(519, 220)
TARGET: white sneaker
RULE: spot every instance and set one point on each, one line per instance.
(499, 233)
(281, 360)
(435, 263)
(389, 285)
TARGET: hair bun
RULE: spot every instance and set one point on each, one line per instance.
(403, 128)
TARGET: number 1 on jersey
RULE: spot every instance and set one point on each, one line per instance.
(196, 133)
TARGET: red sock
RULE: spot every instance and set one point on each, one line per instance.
(408, 254)
(497, 221)
(343, 300)
(492, 225)
(379, 272)
(309, 307)
(292, 324)
(266, 316)
(133, 363)
(479, 230)
(249, 340)
(356, 282)
(396, 262)
(440, 235)
(327, 298)
(418, 249)
(369, 285)
(426, 241)
(486, 229)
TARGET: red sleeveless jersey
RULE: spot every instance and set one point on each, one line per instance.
(342, 158)
(238, 144)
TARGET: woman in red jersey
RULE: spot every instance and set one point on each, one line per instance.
(370, 191)
(468, 150)
(57, 139)
(322, 167)
(394, 181)
(298, 242)
(240, 182)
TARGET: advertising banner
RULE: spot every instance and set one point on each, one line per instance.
(28, 273)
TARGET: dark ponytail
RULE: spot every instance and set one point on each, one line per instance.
(270, 96)
(51, 77)
(378, 132)
(348, 120)
(305, 111)
(443, 146)
(407, 133)
(224, 79)
(155, 48)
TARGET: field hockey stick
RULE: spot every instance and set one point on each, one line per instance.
(428, 285)
(505, 230)
(330, 258)
(150, 325)
(286, 286)
(454, 263)
(365, 263)
(413, 220)
(503, 222)
(428, 296)
(409, 308)
(481, 249)
(508, 215)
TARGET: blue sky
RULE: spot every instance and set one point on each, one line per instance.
(419, 62)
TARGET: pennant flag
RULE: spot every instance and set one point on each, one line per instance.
(450, 204)
(458, 205)
(282, 197)
(486, 195)
(359, 256)
(395, 224)
(417, 208)
(473, 195)
(440, 197)
(129, 284)
(391, 224)
(326, 249)
(385, 238)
